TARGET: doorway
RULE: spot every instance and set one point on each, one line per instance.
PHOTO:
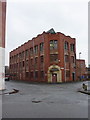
(54, 74)
(54, 77)
(73, 76)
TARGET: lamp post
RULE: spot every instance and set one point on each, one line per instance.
(80, 64)
(79, 55)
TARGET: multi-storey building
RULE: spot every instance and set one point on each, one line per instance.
(50, 57)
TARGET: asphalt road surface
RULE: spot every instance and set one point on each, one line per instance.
(44, 101)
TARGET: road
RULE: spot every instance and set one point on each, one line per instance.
(44, 101)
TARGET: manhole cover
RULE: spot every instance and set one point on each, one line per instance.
(36, 101)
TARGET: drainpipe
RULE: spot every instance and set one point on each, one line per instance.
(64, 63)
(80, 65)
(33, 61)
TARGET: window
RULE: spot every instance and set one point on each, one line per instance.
(53, 44)
(36, 49)
(41, 47)
(10, 59)
(82, 65)
(17, 65)
(66, 45)
(20, 65)
(66, 58)
(41, 59)
(26, 53)
(31, 51)
(53, 57)
(17, 56)
(36, 61)
(20, 55)
(31, 61)
(36, 74)
(67, 73)
(72, 59)
(31, 74)
(27, 74)
(10, 66)
(14, 57)
(72, 47)
(23, 54)
(23, 63)
(27, 63)
(42, 74)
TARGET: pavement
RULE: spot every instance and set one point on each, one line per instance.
(44, 100)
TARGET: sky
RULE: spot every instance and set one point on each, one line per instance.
(28, 18)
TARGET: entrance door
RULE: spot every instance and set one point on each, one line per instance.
(54, 77)
(73, 76)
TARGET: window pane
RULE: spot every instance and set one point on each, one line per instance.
(41, 47)
(55, 44)
(31, 51)
(41, 59)
(72, 47)
(36, 49)
(26, 52)
(51, 45)
(66, 45)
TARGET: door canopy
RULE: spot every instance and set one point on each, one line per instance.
(53, 68)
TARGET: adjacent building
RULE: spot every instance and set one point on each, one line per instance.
(50, 57)
(2, 42)
(88, 73)
(80, 69)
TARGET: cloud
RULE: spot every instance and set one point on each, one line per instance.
(27, 19)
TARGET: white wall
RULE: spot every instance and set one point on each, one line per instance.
(2, 68)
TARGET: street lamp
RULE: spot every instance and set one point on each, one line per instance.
(79, 55)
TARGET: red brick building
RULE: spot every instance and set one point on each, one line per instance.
(87, 73)
(80, 69)
(50, 57)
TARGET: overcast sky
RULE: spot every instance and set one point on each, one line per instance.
(28, 18)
